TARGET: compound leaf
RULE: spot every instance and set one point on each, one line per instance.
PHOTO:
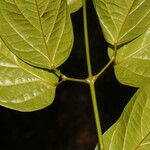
(123, 20)
(22, 87)
(38, 31)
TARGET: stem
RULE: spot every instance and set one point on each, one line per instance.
(105, 67)
(96, 115)
(86, 39)
(90, 80)
(115, 50)
(65, 78)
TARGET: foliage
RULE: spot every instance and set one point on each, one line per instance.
(36, 37)
(37, 33)
(74, 5)
(23, 87)
(131, 130)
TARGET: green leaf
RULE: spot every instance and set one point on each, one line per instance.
(74, 5)
(38, 31)
(132, 66)
(107, 137)
(22, 87)
(132, 130)
(123, 20)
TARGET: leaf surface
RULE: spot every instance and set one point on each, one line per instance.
(38, 31)
(132, 130)
(132, 65)
(22, 87)
(123, 20)
(74, 5)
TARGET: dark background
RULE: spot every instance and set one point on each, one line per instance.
(68, 124)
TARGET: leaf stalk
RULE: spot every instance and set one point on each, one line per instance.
(90, 80)
(96, 116)
(65, 78)
(86, 39)
(103, 69)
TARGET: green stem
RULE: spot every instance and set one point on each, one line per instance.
(105, 67)
(97, 117)
(65, 78)
(86, 39)
(90, 80)
(115, 50)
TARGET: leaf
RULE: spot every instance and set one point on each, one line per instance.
(132, 66)
(22, 87)
(38, 31)
(132, 130)
(123, 20)
(74, 5)
(145, 144)
(107, 137)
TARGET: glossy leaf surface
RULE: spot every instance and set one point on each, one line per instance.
(132, 130)
(74, 5)
(23, 87)
(133, 61)
(123, 20)
(37, 31)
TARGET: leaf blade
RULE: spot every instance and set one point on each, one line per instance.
(132, 61)
(116, 17)
(36, 32)
(23, 87)
(74, 5)
(132, 130)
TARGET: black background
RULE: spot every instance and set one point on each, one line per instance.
(68, 124)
